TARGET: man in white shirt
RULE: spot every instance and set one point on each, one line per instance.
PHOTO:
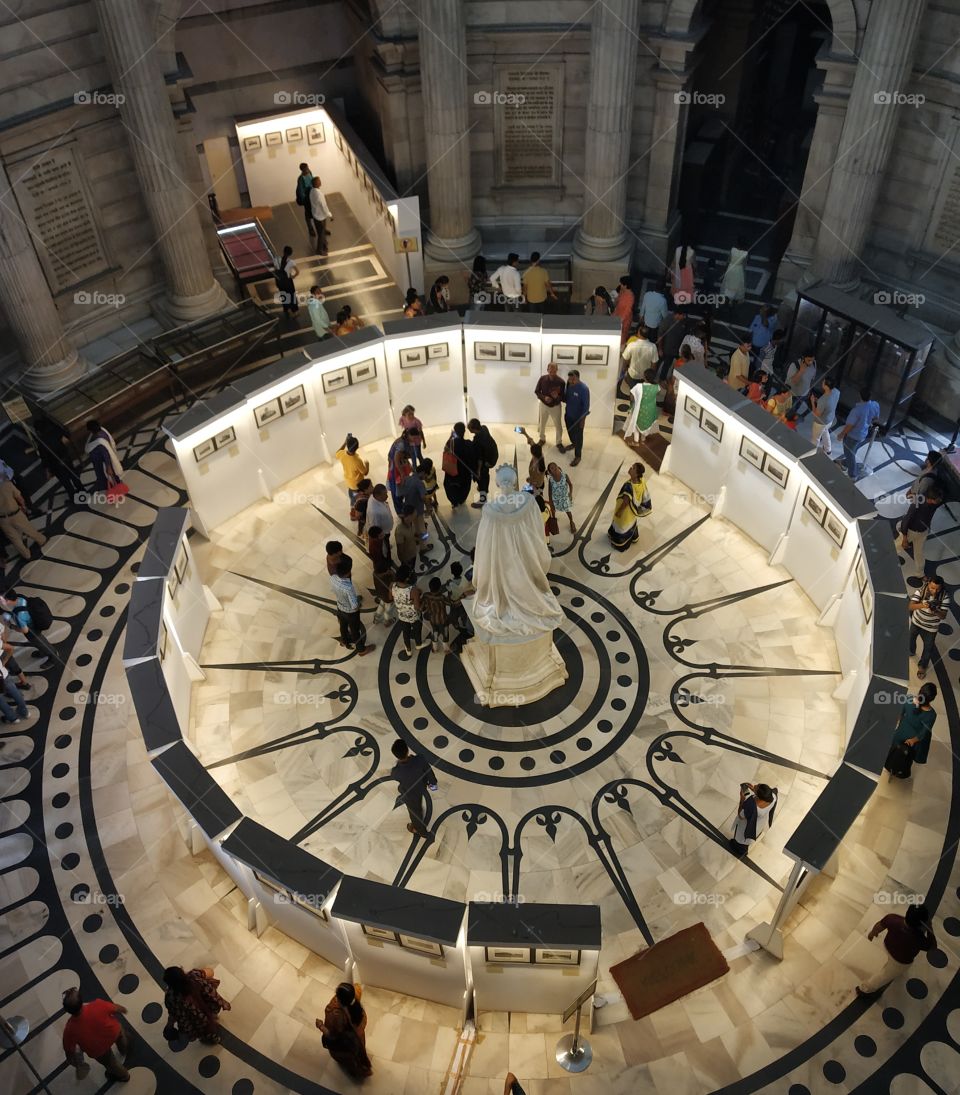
(824, 409)
(695, 342)
(379, 512)
(640, 354)
(320, 213)
(506, 281)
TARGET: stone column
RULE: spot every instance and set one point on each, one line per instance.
(882, 79)
(49, 359)
(192, 292)
(452, 237)
(603, 246)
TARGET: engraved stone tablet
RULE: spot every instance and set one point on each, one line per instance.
(528, 124)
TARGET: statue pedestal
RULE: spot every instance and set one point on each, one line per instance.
(513, 674)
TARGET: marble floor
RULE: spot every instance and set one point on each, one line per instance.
(697, 665)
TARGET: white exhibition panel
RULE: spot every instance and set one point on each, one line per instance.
(501, 392)
(323, 936)
(178, 681)
(292, 443)
(227, 481)
(532, 987)
(358, 407)
(390, 966)
(435, 388)
(696, 457)
(601, 379)
(272, 170)
(810, 554)
(185, 605)
(753, 501)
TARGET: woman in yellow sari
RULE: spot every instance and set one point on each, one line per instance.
(633, 502)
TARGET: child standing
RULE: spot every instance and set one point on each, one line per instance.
(358, 511)
(428, 473)
(414, 428)
(456, 589)
(435, 607)
(408, 601)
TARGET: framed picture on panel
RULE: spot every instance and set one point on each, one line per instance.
(438, 350)
(274, 139)
(594, 355)
(293, 400)
(712, 425)
(204, 449)
(776, 471)
(225, 437)
(266, 413)
(302, 903)
(860, 572)
(295, 134)
(813, 504)
(337, 139)
(692, 407)
(836, 528)
(162, 642)
(316, 133)
(565, 355)
(173, 586)
(752, 453)
(384, 935)
(335, 380)
(516, 351)
(866, 602)
(504, 956)
(412, 357)
(421, 946)
(556, 956)
(363, 371)
(252, 144)
(180, 563)
(487, 351)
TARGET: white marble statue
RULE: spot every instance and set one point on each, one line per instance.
(513, 602)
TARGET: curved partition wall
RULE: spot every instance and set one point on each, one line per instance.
(755, 473)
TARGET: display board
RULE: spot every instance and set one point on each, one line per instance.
(350, 379)
(424, 360)
(703, 444)
(502, 364)
(590, 344)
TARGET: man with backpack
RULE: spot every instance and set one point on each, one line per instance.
(487, 454)
(304, 186)
(31, 616)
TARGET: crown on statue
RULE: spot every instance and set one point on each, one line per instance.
(506, 477)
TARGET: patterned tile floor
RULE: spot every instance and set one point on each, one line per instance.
(83, 817)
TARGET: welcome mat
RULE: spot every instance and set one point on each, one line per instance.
(668, 970)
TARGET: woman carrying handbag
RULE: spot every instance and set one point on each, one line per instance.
(193, 1005)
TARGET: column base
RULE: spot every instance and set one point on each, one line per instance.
(43, 380)
(457, 250)
(182, 310)
(513, 674)
(598, 261)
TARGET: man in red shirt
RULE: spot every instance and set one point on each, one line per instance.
(93, 1029)
(906, 936)
(549, 391)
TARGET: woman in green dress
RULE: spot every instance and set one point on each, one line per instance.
(911, 740)
(633, 502)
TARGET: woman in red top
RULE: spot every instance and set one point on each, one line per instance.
(623, 309)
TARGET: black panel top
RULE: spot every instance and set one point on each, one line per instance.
(520, 320)
(291, 866)
(203, 411)
(143, 620)
(763, 422)
(705, 380)
(891, 633)
(272, 374)
(407, 911)
(821, 832)
(204, 799)
(873, 731)
(602, 325)
(165, 536)
(159, 725)
(330, 347)
(507, 924)
(883, 320)
(440, 321)
(837, 486)
(880, 557)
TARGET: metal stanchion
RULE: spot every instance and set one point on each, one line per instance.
(14, 1031)
(573, 1052)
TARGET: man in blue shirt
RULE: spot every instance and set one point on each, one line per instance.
(856, 428)
(653, 311)
(18, 617)
(352, 632)
(576, 400)
(318, 313)
(761, 331)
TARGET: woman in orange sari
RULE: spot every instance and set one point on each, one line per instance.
(343, 1030)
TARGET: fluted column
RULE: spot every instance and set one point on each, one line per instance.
(603, 236)
(443, 83)
(882, 79)
(145, 111)
(49, 358)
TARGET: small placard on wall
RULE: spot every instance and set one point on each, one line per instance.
(264, 435)
(331, 400)
(204, 469)
(445, 367)
(524, 372)
(234, 450)
(406, 378)
(480, 368)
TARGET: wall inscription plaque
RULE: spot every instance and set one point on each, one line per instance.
(528, 124)
(53, 199)
(946, 226)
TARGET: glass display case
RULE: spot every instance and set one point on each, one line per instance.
(861, 345)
